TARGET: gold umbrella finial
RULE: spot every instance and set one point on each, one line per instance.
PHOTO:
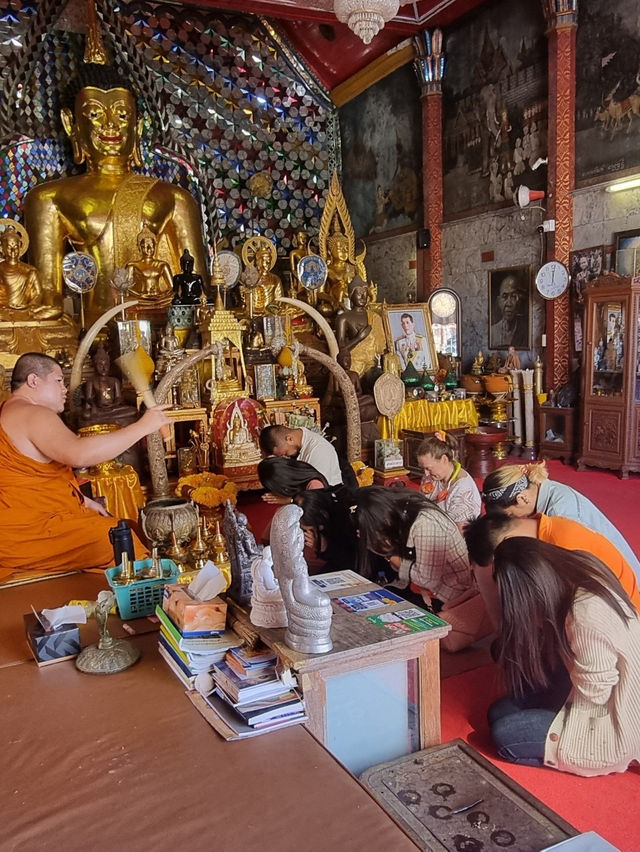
(94, 51)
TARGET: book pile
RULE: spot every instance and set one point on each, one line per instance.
(188, 656)
(249, 697)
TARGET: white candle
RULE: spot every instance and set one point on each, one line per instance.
(517, 407)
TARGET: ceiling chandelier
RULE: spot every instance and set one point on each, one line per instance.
(365, 17)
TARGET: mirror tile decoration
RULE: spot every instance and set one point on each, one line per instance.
(221, 96)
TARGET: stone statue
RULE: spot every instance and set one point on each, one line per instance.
(267, 287)
(242, 551)
(100, 212)
(187, 285)
(360, 329)
(21, 295)
(103, 393)
(152, 279)
(267, 606)
(308, 609)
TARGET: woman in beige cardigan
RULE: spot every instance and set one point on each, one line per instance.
(570, 651)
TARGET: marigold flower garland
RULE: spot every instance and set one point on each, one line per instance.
(207, 489)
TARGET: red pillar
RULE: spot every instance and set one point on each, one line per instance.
(561, 181)
(431, 273)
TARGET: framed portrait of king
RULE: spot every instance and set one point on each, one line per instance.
(410, 336)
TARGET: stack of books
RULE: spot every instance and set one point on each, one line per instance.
(188, 656)
(250, 698)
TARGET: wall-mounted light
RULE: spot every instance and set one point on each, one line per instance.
(623, 184)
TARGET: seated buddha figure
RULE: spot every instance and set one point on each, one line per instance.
(239, 447)
(103, 393)
(341, 271)
(152, 279)
(264, 291)
(21, 295)
(187, 285)
(99, 212)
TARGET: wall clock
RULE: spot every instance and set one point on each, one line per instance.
(552, 279)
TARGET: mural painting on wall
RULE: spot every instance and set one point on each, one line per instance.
(607, 90)
(382, 155)
(494, 107)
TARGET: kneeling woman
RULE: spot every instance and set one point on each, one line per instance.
(570, 652)
(426, 548)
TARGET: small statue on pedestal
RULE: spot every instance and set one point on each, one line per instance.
(477, 369)
(21, 294)
(152, 281)
(242, 551)
(267, 606)
(308, 609)
(187, 285)
(103, 393)
(109, 655)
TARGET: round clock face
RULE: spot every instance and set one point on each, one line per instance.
(442, 304)
(552, 279)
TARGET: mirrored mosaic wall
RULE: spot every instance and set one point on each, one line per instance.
(221, 97)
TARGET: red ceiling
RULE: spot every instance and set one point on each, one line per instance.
(328, 47)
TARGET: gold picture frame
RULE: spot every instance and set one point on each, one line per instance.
(410, 336)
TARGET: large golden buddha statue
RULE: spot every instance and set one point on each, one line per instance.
(152, 278)
(340, 272)
(101, 212)
(21, 294)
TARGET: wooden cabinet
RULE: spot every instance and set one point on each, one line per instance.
(610, 375)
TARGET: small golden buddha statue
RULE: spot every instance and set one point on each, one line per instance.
(341, 272)
(169, 351)
(21, 295)
(300, 250)
(152, 279)
(239, 448)
(99, 212)
(267, 287)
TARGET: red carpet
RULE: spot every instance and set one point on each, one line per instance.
(609, 805)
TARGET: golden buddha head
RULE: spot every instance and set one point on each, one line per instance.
(11, 244)
(263, 259)
(300, 239)
(147, 242)
(103, 125)
(338, 246)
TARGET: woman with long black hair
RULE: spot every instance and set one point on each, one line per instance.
(570, 652)
(424, 545)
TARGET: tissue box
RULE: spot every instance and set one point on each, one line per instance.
(193, 617)
(63, 643)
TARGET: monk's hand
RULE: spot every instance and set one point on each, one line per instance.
(275, 499)
(155, 420)
(96, 507)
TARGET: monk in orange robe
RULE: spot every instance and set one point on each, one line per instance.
(46, 523)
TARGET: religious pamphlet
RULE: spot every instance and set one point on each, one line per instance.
(368, 600)
(409, 620)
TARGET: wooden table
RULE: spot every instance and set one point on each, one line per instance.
(369, 654)
(125, 762)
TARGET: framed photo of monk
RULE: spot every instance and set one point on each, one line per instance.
(410, 337)
(510, 308)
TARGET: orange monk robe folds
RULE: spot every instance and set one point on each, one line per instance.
(43, 524)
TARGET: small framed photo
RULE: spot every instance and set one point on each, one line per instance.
(410, 336)
(585, 265)
(265, 375)
(627, 252)
(510, 308)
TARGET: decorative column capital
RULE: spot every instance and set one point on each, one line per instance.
(430, 61)
(560, 13)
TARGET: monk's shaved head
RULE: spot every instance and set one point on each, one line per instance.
(31, 362)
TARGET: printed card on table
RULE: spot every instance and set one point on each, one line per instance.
(368, 600)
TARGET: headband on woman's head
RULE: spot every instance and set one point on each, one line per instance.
(508, 491)
(441, 436)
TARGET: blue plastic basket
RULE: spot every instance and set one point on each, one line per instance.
(139, 598)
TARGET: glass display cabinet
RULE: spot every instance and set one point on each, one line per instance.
(611, 375)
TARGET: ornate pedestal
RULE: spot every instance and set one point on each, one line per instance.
(48, 336)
